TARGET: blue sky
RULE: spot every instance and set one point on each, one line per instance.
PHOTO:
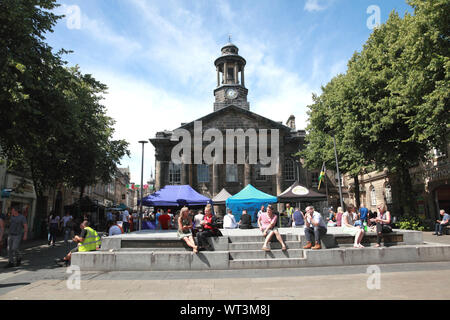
(157, 57)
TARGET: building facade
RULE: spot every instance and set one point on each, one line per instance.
(231, 112)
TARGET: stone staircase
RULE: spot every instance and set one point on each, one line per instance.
(245, 252)
(150, 252)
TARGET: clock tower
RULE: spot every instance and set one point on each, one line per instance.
(230, 91)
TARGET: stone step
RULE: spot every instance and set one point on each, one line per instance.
(256, 238)
(240, 246)
(260, 254)
(267, 263)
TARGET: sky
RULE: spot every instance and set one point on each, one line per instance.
(157, 57)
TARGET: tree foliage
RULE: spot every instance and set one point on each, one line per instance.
(53, 124)
(391, 106)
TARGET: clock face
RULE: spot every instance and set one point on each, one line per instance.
(231, 94)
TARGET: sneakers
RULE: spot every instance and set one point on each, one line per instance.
(308, 245)
(317, 246)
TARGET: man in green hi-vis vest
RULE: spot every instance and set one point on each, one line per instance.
(88, 240)
(289, 213)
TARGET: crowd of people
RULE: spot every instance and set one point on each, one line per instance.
(194, 228)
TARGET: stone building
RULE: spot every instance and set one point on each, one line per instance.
(231, 111)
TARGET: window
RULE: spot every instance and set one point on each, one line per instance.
(202, 173)
(258, 176)
(337, 179)
(232, 173)
(174, 173)
(314, 179)
(289, 171)
(373, 196)
(388, 193)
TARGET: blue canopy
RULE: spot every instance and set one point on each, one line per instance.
(250, 199)
(178, 195)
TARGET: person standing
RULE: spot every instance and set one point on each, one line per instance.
(440, 224)
(125, 223)
(260, 212)
(2, 230)
(164, 221)
(229, 221)
(289, 213)
(18, 230)
(67, 227)
(53, 221)
(363, 215)
(315, 228)
(298, 219)
(198, 218)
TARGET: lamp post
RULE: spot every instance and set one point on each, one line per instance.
(339, 175)
(143, 142)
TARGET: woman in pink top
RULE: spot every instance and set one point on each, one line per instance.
(267, 224)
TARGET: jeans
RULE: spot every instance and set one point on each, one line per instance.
(125, 226)
(314, 232)
(53, 231)
(439, 227)
(202, 238)
(382, 228)
(13, 247)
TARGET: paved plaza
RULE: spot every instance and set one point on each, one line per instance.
(40, 278)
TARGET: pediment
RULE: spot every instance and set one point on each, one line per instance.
(233, 117)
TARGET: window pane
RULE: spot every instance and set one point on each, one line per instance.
(174, 173)
(232, 173)
(203, 173)
(289, 173)
(373, 196)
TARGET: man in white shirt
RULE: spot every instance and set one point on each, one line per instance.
(198, 218)
(315, 228)
(229, 221)
(113, 229)
(125, 223)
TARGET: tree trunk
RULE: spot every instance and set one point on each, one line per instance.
(407, 199)
(357, 193)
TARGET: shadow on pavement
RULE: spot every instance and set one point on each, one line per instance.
(7, 285)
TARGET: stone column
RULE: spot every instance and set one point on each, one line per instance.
(215, 180)
(236, 80)
(218, 76)
(279, 177)
(247, 174)
(184, 173)
(225, 77)
(158, 182)
(242, 77)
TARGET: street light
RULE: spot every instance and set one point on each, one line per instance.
(338, 174)
(143, 142)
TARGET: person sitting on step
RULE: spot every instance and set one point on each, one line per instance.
(315, 228)
(267, 224)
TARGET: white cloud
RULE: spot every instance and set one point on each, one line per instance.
(317, 5)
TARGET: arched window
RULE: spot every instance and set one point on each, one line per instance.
(373, 196)
(174, 173)
(231, 173)
(388, 193)
(289, 170)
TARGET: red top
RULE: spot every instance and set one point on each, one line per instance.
(208, 220)
(164, 220)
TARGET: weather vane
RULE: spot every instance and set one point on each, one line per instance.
(229, 38)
